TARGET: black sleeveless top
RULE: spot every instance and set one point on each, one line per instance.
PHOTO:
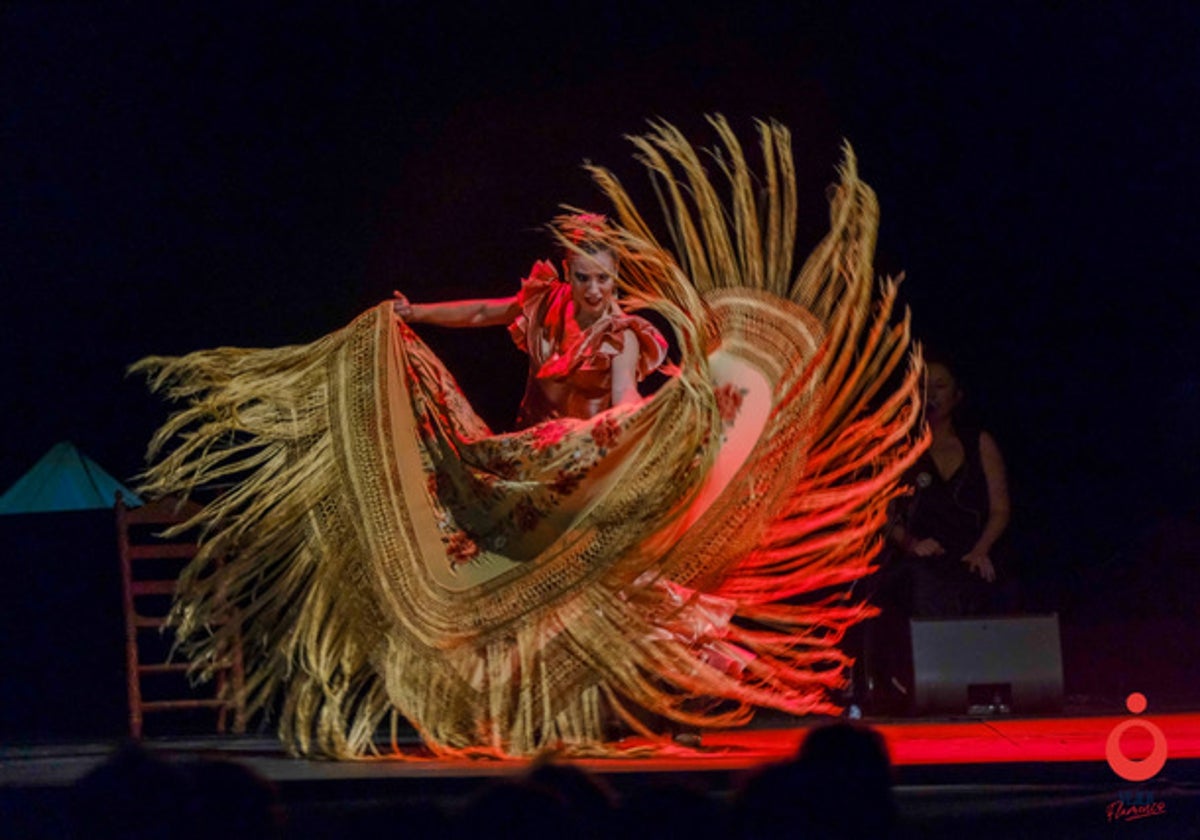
(951, 510)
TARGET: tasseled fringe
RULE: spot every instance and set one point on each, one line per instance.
(843, 447)
(797, 524)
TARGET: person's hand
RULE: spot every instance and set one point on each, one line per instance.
(927, 547)
(979, 563)
(401, 306)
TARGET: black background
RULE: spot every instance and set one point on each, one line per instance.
(178, 176)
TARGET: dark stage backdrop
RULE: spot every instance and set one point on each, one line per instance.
(182, 175)
(62, 666)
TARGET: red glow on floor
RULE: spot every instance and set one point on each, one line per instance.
(910, 743)
(993, 740)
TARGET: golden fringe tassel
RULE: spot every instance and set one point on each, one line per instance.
(362, 477)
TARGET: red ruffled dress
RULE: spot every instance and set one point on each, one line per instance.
(570, 370)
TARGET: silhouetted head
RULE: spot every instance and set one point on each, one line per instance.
(231, 801)
(134, 794)
(837, 786)
(593, 803)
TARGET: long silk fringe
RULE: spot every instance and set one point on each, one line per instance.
(813, 497)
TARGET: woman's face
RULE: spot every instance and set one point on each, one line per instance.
(593, 283)
(942, 395)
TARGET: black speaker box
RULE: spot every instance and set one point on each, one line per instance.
(987, 664)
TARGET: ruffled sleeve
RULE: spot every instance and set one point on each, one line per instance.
(536, 292)
(652, 347)
(593, 352)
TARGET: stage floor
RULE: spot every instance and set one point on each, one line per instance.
(989, 777)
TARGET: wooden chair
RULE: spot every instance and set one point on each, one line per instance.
(150, 566)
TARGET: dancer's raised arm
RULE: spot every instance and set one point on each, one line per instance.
(485, 312)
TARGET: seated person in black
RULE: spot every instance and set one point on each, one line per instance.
(945, 552)
(951, 524)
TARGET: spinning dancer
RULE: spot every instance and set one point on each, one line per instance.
(585, 354)
(684, 556)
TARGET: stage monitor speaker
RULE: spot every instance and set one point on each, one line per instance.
(987, 664)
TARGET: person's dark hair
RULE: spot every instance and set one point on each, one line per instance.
(230, 800)
(966, 415)
(586, 795)
(937, 356)
(837, 786)
(847, 776)
(133, 794)
(590, 233)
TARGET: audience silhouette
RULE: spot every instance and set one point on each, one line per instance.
(838, 785)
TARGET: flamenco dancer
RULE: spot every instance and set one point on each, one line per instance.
(684, 556)
(585, 354)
